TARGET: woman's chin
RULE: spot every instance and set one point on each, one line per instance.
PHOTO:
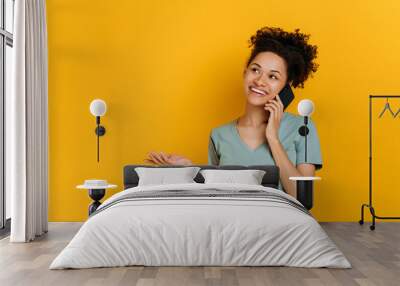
(257, 100)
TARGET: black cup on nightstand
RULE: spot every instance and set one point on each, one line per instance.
(304, 190)
(96, 195)
(305, 193)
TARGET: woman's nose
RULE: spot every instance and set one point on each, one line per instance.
(259, 80)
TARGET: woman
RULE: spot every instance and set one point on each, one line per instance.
(265, 134)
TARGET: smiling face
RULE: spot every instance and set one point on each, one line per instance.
(264, 78)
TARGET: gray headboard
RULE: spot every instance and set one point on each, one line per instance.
(270, 179)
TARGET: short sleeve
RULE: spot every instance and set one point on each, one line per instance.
(313, 148)
(213, 158)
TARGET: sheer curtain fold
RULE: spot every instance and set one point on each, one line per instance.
(28, 123)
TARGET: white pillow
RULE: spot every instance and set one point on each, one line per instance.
(162, 176)
(249, 177)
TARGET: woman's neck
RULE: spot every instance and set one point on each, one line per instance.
(254, 116)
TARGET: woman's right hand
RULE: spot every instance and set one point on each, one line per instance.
(160, 158)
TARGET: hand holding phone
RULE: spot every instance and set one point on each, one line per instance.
(286, 95)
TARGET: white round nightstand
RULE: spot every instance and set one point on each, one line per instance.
(97, 190)
(304, 178)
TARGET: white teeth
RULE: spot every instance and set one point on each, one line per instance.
(258, 91)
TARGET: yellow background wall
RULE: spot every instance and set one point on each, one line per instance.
(172, 70)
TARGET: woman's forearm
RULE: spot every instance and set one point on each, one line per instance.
(286, 167)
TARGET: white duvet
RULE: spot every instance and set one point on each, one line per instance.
(200, 231)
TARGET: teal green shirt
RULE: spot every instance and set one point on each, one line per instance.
(226, 147)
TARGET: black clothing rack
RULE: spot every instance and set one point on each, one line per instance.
(370, 206)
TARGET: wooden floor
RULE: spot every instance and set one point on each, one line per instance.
(375, 257)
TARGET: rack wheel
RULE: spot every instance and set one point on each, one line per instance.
(361, 222)
(372, 227)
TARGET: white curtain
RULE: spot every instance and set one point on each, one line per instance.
(27, 124)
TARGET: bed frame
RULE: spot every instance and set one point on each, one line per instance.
(270, 179)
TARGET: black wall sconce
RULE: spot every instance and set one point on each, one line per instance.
(98, 108)
(305, 109)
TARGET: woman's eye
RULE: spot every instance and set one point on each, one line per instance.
(254, 70)
(272, 76)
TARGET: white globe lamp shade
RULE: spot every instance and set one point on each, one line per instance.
(305, 107)
(98, 107)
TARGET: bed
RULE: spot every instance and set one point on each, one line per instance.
(201, 224)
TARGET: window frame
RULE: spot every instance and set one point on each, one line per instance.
(6, 39)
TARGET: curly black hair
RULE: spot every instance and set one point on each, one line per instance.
(292, 47)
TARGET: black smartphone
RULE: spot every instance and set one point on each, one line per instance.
(286, 95)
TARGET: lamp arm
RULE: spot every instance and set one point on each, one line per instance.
(305, 153)
(98, 145)
(303, 131)
(305, 137)
(98, 136)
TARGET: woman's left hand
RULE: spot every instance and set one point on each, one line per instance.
(275, 108)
